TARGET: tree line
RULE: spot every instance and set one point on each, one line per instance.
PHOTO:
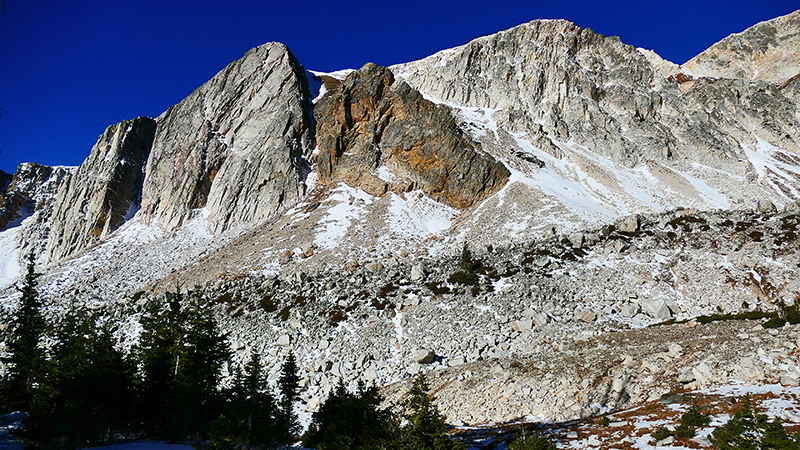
(85, 391)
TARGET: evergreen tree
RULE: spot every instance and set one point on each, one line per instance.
(751, 429)
(181, 352)
(527, 441)
(289, 386)
(249, 420)
(26, 360)
(84, 400)
(353, 421)
(426, 428)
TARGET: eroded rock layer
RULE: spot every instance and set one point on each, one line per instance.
(379, 134)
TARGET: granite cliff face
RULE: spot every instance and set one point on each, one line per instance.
(768, 51)
(30, 197)
(379, 134)
(552, 82)
(235, 146)
(103, 192)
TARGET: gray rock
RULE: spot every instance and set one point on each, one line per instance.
(230, 147)
(373, 266)
(284, 340)
(417, 272)
(522, 325)
(102, 193)
(656, 308)
(629, 309)
(765, 206)
(790, 379)
(629, 224)
(423, 356)
(585, 316)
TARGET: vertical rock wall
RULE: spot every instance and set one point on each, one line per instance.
(96, 199)
(234, 146)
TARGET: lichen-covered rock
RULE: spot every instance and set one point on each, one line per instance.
(379, 134)
(235, 146)
(98, 197)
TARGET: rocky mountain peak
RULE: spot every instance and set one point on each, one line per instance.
(379, 134)
(235, 146)
(767, 51)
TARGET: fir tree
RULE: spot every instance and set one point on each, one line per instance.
(181, 353)
(289, 386)
(426, 428)
(353, 421)
(84, 400)
(249, 420)
(26, 360)
(535, 441)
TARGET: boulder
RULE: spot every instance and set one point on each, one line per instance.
(417, 272)
(629, 309)
(765, 206)
(586, 316)
(629, 224)
(423, 356)
(522, 325)
(656, 308)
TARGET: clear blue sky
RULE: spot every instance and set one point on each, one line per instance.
(68, 69)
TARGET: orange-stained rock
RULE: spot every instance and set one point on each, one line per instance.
(378, 134)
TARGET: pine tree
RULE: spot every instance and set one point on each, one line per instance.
(181, 353)
(27, 358)
(249, 420)
(289, 387)
(527, 441)
(85, 397)
(426, 428)
(352, 420)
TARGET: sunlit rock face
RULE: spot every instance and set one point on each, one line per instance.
(377, 133)
(235, 146)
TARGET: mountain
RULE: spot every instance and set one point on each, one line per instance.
(599, 187)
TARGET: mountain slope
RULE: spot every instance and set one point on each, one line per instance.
(599, 187)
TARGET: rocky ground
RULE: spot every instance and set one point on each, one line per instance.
(558, 328)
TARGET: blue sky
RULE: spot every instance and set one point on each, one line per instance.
(70, 69)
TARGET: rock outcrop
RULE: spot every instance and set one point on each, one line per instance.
(553, 84)
(29, 197)
(768, 51)
(379, 134)
(98, 197)
(235, 146)
(31, 189)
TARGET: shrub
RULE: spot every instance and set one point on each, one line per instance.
(661, 433)
(535, 441)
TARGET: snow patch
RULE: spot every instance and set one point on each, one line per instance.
(418, 215)
(350, 207)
